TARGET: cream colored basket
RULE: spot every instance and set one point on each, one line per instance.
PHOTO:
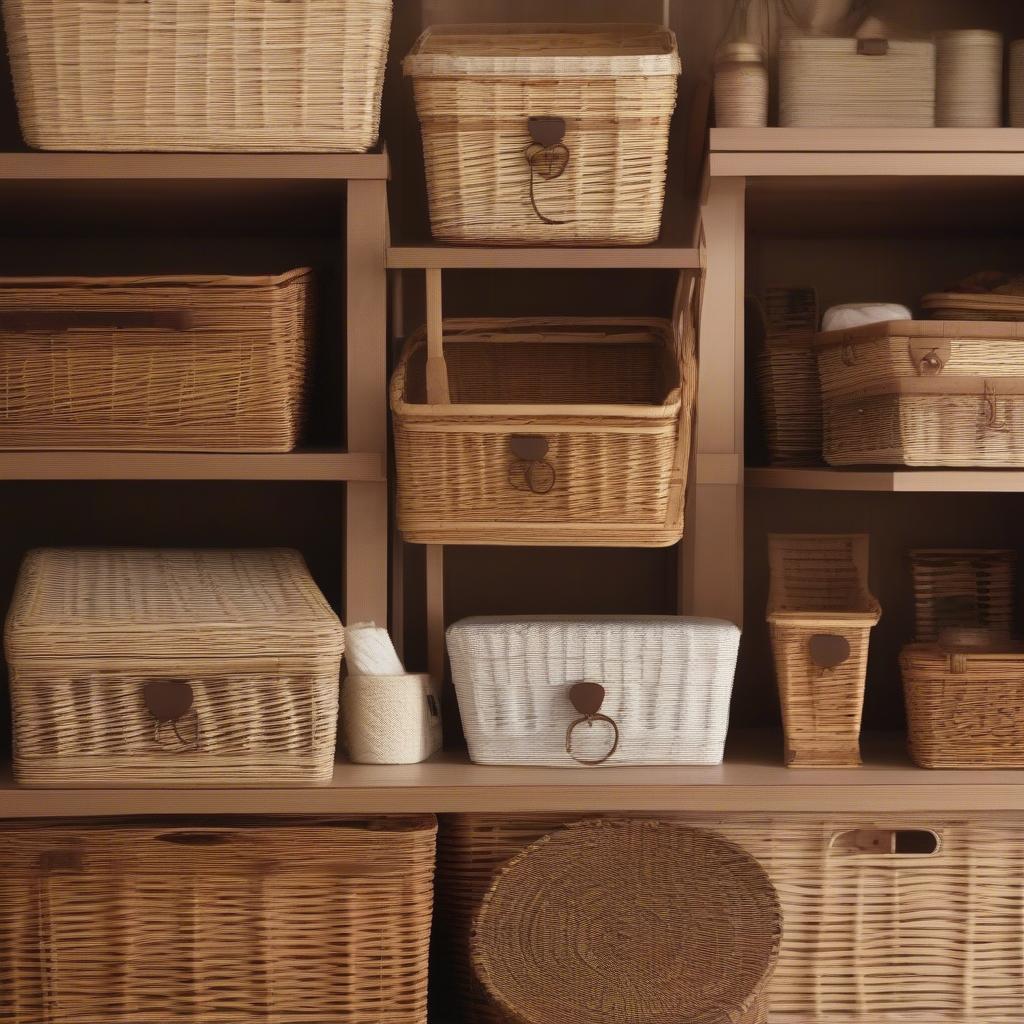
(856, 83)
(391, 719)
(161, 75)
(550, 134)
(665, 685)
(135, 666)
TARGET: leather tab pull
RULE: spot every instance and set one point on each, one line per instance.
(930, 359)
(546, 131)
(872, 47)
(827, 650)
(528, 447)
(587, 698)
(168, 700)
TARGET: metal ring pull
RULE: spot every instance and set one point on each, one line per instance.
(587, 699)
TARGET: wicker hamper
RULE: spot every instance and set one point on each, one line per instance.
(229, 75)
(154, 363)
(888, 919)
(965, 705)
(216, 921)
(665, 685)
(552, 134)
(561, 431)
(179, 667)
(856, 83)
(924, 393)
(820, 614)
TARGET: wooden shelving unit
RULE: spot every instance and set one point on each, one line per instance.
(899, 481)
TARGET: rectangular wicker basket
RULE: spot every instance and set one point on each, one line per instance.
(551, 431)
(216, 921)
(187, 363)
(889, 919)
(667, 683)
(820, 615)
(924, 393)
(203, 75)
(856, 83)
(549, 134)
(135, 667)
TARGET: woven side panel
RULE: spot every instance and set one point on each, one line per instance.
(199, 74)
(791, 405)
(210, 923)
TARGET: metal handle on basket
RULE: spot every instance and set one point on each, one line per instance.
(901, 842)
(587, 699)
(168, 702)
(55, 321)
(547, 156)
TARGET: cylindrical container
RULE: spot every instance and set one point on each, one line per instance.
(390, 719)
(968, 79)
(1017, 84)
(741, 87)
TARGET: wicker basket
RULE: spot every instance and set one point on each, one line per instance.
(856, 83)
(666, 685)
(888, 918)
(135, 667)
(550, 134)
(787, 373)
(648, 921)
(958, 588)
(969, 79)
(154, 363)
(301, 76)
(741, 86)
(564, 431)
(974, 306)
(216, 921)
(391, 719)
(965, 706)
(924, 393)
(820, 614)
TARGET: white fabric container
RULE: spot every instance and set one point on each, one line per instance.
(667, 682)
(390, 719)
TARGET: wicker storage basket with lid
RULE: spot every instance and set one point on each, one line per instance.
(134, 666)
(906, 918)
(647, 921)
(924, 393)
(184, 363)
(549, 134)
(203, 75)
(665, 681)
(820, 615)
(216, 921)
(559, 431)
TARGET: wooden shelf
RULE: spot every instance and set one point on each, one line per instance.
(904, 481)
(752, 779)
(192, 166)
(325, 465)
(451, 257)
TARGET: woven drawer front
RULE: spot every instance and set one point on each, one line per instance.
(199, 74)
(154, 364)
(231, 922)
(879, 926)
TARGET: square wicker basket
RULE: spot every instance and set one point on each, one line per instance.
(188, 363)
(216, 921)
(202, 75)
(133, 666)
(550, 134)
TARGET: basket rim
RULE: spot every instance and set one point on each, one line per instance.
(158, 280)
(667, 412)
(946, 330)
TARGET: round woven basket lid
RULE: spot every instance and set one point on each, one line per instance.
(631, 922)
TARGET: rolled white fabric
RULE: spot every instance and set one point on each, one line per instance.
(860, 314)
(370, 652)
(390, 719)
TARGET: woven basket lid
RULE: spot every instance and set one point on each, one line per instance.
(137, 602)
(631, 922)
(740, 52)
(544, 51)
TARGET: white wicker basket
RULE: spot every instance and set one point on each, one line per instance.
(667, 682)
(391, 719)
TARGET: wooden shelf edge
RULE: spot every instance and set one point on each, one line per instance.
(867, 140)
(865, 164)
(446, 257)
(904, 481)
(65, 465)
(192, 166)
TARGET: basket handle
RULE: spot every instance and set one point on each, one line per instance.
(169, 702)
(901, 842)
(587, 698)
(828, 650)
(437, 368)
(55, 321)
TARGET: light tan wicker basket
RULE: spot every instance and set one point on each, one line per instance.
(562, 431)
(891, 918)
(550, 134)
(184, 363)
(974, 306)
(741, 86)
(961, 588)
(924, 393)
(856, 83)
(649, 920)
(216, 921)
(820, 614)
(969, 79)
(965, 705)
(163, 75)
(136, 666)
